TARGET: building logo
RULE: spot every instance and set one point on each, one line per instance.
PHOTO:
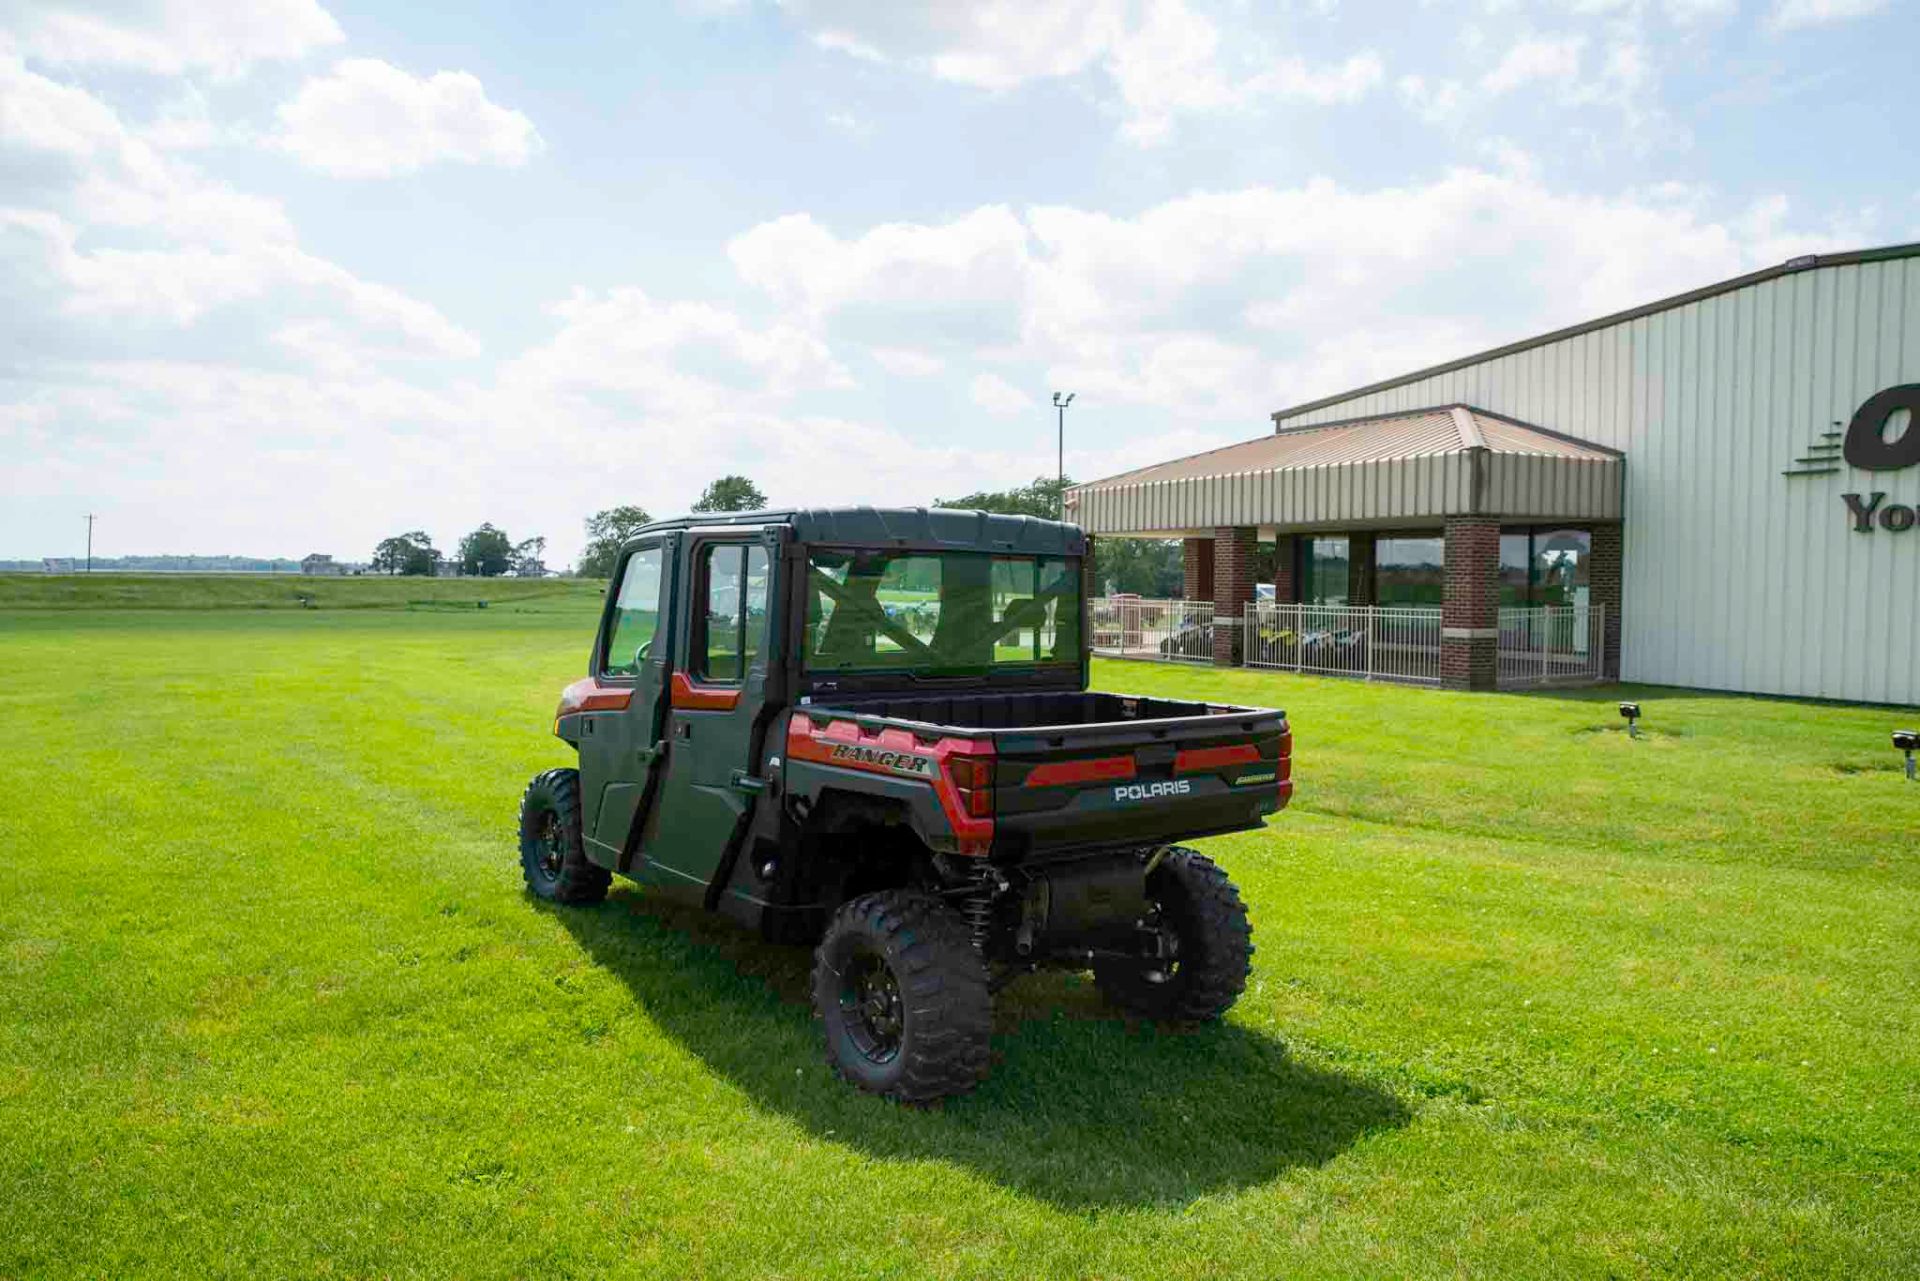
(1873, 441)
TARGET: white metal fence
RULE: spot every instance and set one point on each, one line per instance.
(1133, 627)
(1545, 645)
(1552, 645)
(1388, 644)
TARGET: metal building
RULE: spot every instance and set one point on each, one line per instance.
(1733, 472)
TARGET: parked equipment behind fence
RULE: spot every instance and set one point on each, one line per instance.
(1541, 645)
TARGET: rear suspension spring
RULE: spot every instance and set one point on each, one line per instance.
(983, 886)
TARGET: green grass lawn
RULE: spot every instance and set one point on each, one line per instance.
(289, 591)
(1530, 999)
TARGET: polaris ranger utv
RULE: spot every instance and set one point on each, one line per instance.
(871, 730)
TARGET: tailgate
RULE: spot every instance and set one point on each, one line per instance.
(1139, 783)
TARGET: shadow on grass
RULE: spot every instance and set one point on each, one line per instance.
(1082, 1110)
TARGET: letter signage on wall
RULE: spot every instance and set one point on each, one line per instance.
(1873, 442)
(1867, 445)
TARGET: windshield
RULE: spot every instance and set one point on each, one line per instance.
(939, 612)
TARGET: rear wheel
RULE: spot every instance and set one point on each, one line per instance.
(902, 997)
(1206, 946)
(555, 865)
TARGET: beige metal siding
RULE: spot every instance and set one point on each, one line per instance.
(1736, 577)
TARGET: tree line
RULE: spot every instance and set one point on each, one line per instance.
(488, 552)
(1144, 566)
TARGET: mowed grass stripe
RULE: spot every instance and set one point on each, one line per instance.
(276, 1004)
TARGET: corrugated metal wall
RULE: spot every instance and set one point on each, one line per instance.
(1736, 577)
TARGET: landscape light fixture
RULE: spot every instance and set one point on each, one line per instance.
(1632, 712)
(1060, 402)
(1908, 741)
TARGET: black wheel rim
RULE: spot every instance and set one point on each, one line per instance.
(552, 845)
(871, 1007)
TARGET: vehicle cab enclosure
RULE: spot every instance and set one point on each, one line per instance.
(788, 709)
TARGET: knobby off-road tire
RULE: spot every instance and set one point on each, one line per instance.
(903, 998)
(1202, 911)
(551, 858)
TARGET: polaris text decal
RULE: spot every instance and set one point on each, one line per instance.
(898, 762)
(1152, 791)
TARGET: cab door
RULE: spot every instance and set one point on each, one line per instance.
(619, 745)
(718, 691)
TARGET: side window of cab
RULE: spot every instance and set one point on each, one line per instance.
(636, 614)
(733, 621)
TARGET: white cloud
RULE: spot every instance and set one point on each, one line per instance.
(677, 357)
(370, 119)
(174, 36)
(998, 396)
(1789, 15)
(1222, 305)
(1162, 57)
(904, 362)
(1556, 61)
(135, 234)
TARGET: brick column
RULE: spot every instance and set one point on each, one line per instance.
(1603, 588)
(1284, 590)
(1232, 590)
(1196, 555)
(1470, 605)
(1361, 589)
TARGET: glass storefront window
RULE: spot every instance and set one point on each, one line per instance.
(1410, 571)
(1516, 558)
(1544, 566)
(1561, 559)
(1323, 571)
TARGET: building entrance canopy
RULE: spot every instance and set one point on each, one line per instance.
(1415, 468)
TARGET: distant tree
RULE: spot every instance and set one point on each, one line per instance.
(606, 531)
(486, 552)
(526, 561)
(411, 553)
(1151, 567)
(1041, 498)
(731, 494)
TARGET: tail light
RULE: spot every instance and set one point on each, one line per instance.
(973, 780)
(1286, 755)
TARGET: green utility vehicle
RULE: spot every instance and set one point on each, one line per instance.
(871, 730)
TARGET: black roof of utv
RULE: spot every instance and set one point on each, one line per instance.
(905, 527)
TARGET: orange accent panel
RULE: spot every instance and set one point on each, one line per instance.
(808, 742)
(1203, 758)
(1100, 770)
(589, 695)
(689, 697)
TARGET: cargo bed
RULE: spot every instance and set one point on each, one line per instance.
(1085, 770)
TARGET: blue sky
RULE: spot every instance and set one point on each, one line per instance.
(282, 275)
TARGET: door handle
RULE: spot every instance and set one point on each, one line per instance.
(745, 782)
(647, 755)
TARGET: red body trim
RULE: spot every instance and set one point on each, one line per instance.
(689, 697)
(1205, 758)
(1099, 770)
(809, 742)
(589, 695)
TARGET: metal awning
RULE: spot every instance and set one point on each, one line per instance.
(1405, 469)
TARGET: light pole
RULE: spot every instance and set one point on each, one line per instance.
(1060, 458)
(90, 519)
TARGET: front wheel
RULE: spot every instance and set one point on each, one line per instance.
(1206, 946)
(551, 858)
(902, 996)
